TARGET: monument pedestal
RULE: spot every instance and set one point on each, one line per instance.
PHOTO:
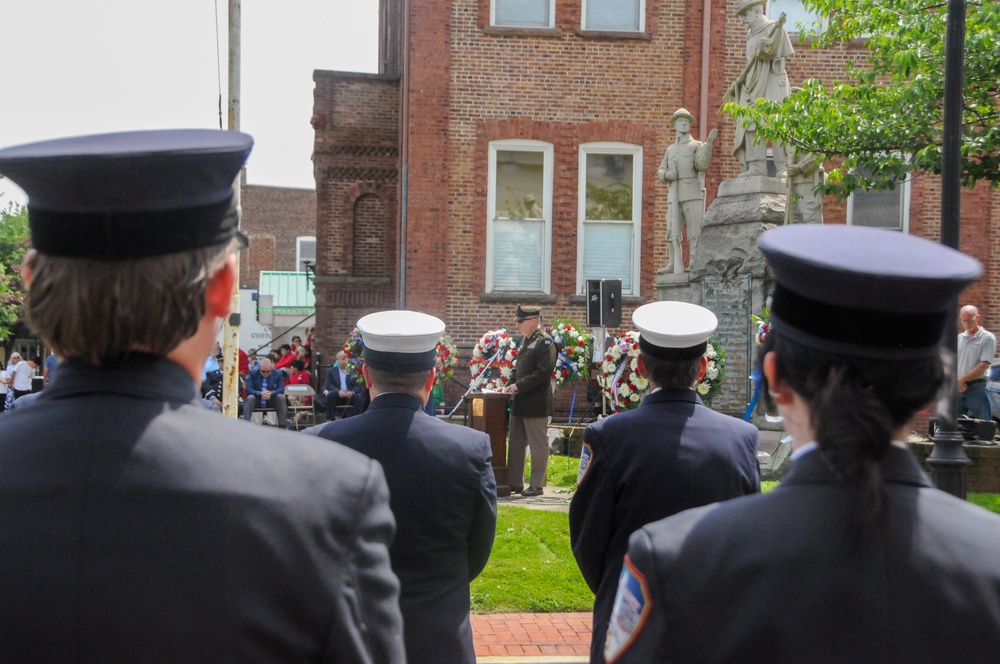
(729, 275)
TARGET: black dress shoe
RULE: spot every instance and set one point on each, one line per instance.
(516, 489)
(532, 491)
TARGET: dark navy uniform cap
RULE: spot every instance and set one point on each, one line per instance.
(863, 291)
(400, 341)
(130, 195)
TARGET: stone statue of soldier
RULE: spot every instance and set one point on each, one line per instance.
(763, 77)
(805, 174)
(680, 167)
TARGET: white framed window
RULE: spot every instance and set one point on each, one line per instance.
(797, 16)
(888, 208)
(610, 214)
(519, 216)
(305, 250)
(614, 15)
(523, 13)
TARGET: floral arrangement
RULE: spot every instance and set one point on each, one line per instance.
(711, 383)
(354, 347)
(493, 359)
(763, 325)
(624, 387)
(447, 359)
(576, 346)
(619, 377)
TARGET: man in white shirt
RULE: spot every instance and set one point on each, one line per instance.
(21, 376)
(976, 349)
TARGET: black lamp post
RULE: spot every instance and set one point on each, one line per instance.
(948, 460)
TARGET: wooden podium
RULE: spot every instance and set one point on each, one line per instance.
(488, 413)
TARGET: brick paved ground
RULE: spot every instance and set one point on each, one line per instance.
(515, 635)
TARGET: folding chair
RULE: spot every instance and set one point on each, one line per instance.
(300, 414)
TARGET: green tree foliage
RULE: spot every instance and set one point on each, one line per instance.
(885, 119)
(13, 244)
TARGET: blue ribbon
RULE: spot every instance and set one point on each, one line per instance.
(757, 389)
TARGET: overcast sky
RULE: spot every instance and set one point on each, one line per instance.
(70, 67)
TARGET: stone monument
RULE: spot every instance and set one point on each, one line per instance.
(728, 273)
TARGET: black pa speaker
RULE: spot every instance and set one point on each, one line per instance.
(604, 302)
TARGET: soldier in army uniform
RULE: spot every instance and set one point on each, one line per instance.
(680, 167)
(532, 406)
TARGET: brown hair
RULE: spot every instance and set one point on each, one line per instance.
(391, 381)
(671, 374)
(100, 311)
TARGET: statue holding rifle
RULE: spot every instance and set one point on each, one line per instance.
(680, 167)
(764, 77)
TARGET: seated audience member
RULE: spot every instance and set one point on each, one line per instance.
(296, 342)
(310, 337)
(265, 388)
(285, 358)
(341, 389)
(211, 385)
(299, 375)
(252, 362)
(304, 353)
(244, 362)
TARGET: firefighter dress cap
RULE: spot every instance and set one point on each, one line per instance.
(527, 311)
(863, 292)
(130, 195)
(674, 330)
(401, 341)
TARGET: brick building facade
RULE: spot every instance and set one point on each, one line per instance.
(274, 218)
(414, 165)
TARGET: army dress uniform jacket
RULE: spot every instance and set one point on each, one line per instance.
(773, 578)
(137, 526)
(536, 358)
(443, 494)
(668, 455)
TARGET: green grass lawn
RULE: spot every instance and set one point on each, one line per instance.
(532, 568)
(561, 471)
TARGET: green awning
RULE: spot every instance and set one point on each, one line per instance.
(292, 293)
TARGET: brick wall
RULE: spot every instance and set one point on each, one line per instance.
(356, 155)
(983, 474)
(273, 217)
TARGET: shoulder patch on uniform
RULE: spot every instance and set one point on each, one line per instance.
(586, 454)
(548, 342)
(632, 606)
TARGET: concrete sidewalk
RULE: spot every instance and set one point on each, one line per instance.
(536, 638)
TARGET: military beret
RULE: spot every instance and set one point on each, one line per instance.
(130, 195)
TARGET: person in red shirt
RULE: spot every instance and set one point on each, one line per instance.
(286, 356)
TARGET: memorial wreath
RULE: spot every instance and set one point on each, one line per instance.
(492, 360)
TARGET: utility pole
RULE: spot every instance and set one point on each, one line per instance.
(231, 329)
(948, 460)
